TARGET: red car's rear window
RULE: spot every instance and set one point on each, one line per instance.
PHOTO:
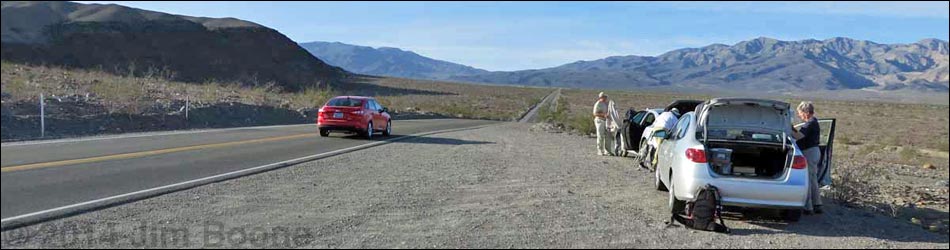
(345, 102)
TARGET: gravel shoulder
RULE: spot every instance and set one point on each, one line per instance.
(503, 186)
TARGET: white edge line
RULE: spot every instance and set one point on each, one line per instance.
(28, 219)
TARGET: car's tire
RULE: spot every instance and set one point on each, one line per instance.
(792, 215)
(369, 131)
(324, 133)
(389, 128)
(676, 206)
(657, 183)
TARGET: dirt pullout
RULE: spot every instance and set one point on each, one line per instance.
(495, 187)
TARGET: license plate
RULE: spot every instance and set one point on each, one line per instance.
(337, 115)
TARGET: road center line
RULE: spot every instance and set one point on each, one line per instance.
(146, 153)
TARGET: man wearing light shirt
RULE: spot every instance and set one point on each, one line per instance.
(601, 118)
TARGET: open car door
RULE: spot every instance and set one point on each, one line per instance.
(615, 127)
(827, 146)
(635, 125)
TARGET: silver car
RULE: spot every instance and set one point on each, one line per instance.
(742, 147)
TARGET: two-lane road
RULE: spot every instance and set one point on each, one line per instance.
(47, 175)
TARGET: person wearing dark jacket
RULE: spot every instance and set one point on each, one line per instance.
(808, 137)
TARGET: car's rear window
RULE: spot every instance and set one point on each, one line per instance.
(345, 102)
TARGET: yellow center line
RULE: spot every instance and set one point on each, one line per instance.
(146, 153)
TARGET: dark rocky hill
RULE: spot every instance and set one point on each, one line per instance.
(126, 40)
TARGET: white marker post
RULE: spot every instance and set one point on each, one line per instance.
(187, 106)
(42, 116)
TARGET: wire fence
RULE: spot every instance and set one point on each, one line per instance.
(52, 116)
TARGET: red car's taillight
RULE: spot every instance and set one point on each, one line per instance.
(800, 162)
(358, 112)
(696, 155)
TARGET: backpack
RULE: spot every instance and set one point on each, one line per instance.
(703, 212)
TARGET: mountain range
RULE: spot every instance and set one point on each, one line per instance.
(758, 65)
(387, 61)
(761, 64)
(127, 40)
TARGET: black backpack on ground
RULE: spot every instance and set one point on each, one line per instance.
(704, 211)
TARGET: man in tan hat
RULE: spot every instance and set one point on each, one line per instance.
(600, 123)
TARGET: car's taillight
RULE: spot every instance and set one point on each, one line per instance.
(800, 162)
(696, 155)
(358, 112)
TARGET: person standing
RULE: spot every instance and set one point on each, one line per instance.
(601, 118)
(808, 136)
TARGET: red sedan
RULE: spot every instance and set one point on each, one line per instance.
(354, 114)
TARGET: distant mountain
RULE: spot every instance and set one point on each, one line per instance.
(760, 65)
(122, 39)
(387, 61)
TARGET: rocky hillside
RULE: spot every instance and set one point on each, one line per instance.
(127, 40)
(762, 64)
(387, 61)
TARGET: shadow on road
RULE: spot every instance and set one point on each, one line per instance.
(836, 222)
(440, 141)
(410, 139)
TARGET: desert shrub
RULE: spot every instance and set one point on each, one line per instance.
(848, 186)
(17, 87)
(908, 154)
(313, 97)
(119, 95)
(456, 110)
(869, 149)
(556, 114)
(842, 140)
(582, 123)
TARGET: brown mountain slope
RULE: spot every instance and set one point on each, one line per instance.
(122, 40)
(758, 65)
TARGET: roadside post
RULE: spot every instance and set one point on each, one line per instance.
(42, 115)
(187, 106)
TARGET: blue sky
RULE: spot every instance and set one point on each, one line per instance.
(531, 35)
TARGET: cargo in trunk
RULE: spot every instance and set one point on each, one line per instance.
(748, 160)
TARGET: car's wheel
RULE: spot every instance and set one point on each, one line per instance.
(676, 206)
(792, 215)
(389, 128)
(369, 131)
(657, 182)
(324, 133)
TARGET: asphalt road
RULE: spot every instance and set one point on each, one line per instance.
(532, 115)
(38, 177)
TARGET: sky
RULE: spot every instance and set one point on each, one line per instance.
(508, 36)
